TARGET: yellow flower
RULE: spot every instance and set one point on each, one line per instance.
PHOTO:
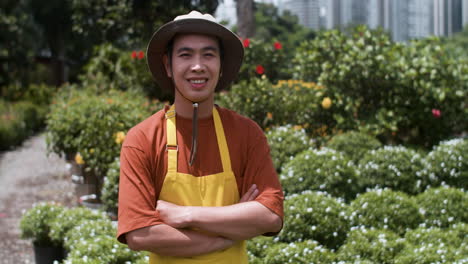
(119, 137)
(297, 127)
(91, 150)
(269, 115)
(79, 159)
(326, 102)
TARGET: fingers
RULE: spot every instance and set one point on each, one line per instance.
(250, 195)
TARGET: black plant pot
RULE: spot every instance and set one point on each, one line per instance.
(47, 254)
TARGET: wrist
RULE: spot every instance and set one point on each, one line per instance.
(189, 216)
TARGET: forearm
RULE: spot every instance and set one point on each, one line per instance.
(166, 240)
(237, 222)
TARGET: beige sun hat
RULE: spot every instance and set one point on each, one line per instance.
(195, 22)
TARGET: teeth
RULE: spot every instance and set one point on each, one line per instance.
(197, 81)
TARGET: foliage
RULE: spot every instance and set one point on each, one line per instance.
(257, 247)
(432, 245)
(288, 102)
(376, 245)
(94, 125)
(385, 209)
(322, 170)
(113, 68)
(353, 144)
(308, 251)
(448, 163)
(64, 121)
(87, 230)
(36, 223)
(110, 188)
(395, 167)
(69, 218)
(457, 44)
(286, 142)
(316, 216)
(281, 26)
(403, 93)
(257, 100)
(263, 58)
(443, 206)
(19, 120)
(92, 250)
(19, 40)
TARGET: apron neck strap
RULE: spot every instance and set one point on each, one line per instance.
(172, 147)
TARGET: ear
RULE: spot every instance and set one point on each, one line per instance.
(167, 65)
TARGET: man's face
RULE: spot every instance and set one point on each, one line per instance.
(196, 65)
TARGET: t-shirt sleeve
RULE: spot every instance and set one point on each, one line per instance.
(261, 171)
(137, 201)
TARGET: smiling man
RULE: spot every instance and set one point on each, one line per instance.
(194, 190)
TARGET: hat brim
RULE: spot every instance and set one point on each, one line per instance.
(232, 48)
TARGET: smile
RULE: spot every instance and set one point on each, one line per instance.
(200, 81)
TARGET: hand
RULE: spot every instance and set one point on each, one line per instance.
(173, 215)
(250, 195)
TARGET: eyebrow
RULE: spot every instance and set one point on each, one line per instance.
(208, 48)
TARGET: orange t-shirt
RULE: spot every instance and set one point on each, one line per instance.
(143, 164)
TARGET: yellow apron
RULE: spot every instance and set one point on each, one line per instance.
(211, 190)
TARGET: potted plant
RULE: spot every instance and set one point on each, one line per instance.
(35, 225)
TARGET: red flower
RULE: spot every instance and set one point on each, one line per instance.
(436, 113)
(260, 70)
(141, 55)
(134, 54)
(246, 42)
(278, 45)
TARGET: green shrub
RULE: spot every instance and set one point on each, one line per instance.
(258, 100)
(102, 249)
(112, 68)
(376, 245)
(386, 88)
(385, 209)
(65, 120)
(87, 230)
(448, 163)
(110, 188)
(288, 102)
(19, 120)
(94, 125)
(38, 94)
(353, 144)
(395, 167)
(443, 206)
(67, 219)
(271, 58)
(315, 216)
(257, 247)
(286, 142)
(36, 223)
(299, 253)
(323, 170)
(432, 245)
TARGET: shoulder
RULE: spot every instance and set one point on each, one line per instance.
(145, 131)
(233, 120)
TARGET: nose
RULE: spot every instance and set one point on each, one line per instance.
(197, 65)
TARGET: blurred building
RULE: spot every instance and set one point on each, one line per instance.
(405, 19)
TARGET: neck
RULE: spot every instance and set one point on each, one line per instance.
(184, 107)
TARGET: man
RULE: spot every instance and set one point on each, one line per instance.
(196, 179)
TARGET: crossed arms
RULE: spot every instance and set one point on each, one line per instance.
(225, 224)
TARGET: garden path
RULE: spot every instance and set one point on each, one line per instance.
(28, 175)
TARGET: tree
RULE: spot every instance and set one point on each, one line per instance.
(245, 18)
(284, 27)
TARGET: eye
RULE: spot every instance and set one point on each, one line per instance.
(184, 55)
